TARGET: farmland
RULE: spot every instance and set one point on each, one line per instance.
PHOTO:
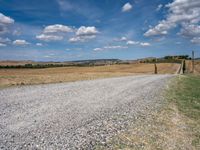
(11, 77)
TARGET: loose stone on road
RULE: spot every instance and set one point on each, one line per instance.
(76, 115)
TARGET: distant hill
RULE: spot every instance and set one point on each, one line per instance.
(15, 62)
(80, 63)
(92, 62)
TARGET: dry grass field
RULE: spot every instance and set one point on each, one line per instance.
(189, 66)
(11, 77)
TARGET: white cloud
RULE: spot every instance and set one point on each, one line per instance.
(190, 30)
(115, 47)
(127, 7)
(159, 7)
(123, 38)
(57, 28)
(128, 42)
(5, 19)
(145, 44)
(48, 38)
(2, 45)
(84, 34)
(98, 49)
(86, 31)
(20, 42)
(161, 29)
(4, 40)
(39, 44)
(183, 13)
(196, 40)
(74, 39)
(81, 38)
(57, 33)
(54, 32)
(132, 42)
(110, 47)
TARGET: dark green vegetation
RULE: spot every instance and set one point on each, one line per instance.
(178, 57)
(166, 59)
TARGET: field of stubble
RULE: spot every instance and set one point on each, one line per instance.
(11, 77)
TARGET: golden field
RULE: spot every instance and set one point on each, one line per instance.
(196, 68)
(11, 77)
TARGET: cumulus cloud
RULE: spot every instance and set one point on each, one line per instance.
(54, 32)
(57, 28)
(183, 13)
(5, 21)
(127, 7)
(75, 39)
(190, 30)
(20, 42)
(84, 34)
(48, 38)
(145, 44)
(86, 31)
(57, 32)
(161, 29)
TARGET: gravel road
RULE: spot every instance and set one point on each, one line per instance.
(76, 115)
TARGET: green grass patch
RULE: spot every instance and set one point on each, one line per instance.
(185, 93)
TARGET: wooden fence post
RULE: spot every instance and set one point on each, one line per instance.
(156, 69)
(184, 66)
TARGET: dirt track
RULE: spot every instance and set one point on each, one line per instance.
(75, 115)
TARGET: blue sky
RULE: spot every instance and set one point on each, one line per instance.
(62, 30)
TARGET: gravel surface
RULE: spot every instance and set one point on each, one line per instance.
(77, 115)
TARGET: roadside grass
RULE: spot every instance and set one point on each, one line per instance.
(185, 94)
(176, 125)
